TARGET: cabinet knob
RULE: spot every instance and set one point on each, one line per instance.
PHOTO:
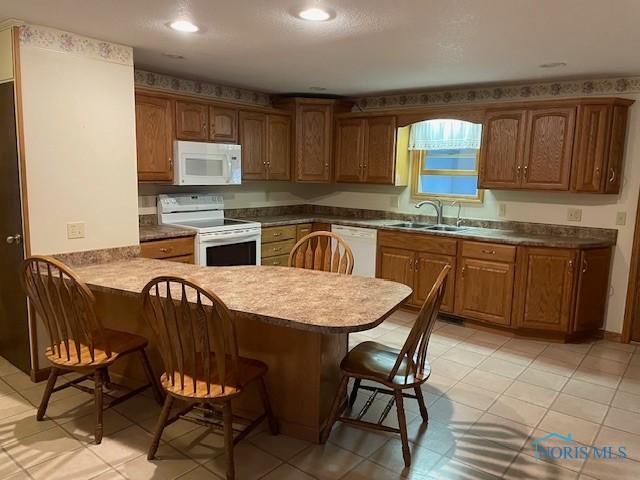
(597, 171)
(612, 175)
(570, 266)
(585, 266)
(17, 239)
(526, 171)
(462, 271)
(518, 168)
(489, 252)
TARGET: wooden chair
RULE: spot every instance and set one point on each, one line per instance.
(78, 341)
(197, 342)
(397, 370)
(324, 251)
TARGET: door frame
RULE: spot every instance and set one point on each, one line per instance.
(632, 304)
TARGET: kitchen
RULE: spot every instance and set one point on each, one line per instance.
(530, 191)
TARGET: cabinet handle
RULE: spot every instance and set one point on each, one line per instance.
(165, 250)
(489, 252)
(411, 265)
(276, 263)
(518, 171)
(277, 249)
(204, 127)
(526, 171)
(585, 265)
(612, 175)
(276, 234)
(570, 266)
(597, 171)
(462, 271)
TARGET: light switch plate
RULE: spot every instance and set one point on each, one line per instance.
(502, 209)
(574, 214)
(621, 218)
(75, 230)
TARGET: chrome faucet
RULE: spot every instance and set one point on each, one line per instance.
(458, 219)
(436, 204)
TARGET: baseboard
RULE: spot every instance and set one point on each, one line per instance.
(612, 336)
(40, 375)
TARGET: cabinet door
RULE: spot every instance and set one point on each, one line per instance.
(313, 142)
(396, 264)
(192, 121)
(485, 290)
(502, 149)
(547, 283)
(547, 158)
(616, 148)
(278, 147)
(223, 124)
(154, 138)
(593, 288)
(589, 160)
(253, 138)
(380, 150)
(428, 267)
(349, 159)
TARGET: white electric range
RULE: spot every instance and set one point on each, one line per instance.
(219, 241)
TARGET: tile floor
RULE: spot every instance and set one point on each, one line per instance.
(488, 397)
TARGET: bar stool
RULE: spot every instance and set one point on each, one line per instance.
(197, 341)
(396, 371)
(324, 251)
(78, 341)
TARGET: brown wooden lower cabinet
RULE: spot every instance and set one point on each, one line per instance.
(277, 242)
(171, 249)
(427, 268)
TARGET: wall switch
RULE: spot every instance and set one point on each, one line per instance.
(394, 201)
(502, 209)
(574, 214)
(75, 230)
(621, 218)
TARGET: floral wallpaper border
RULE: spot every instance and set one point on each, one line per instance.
(65, 42)
(161, 81)
(570, 88)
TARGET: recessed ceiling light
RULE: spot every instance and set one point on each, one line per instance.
(184, 26)
(314, 15)
(553, 65)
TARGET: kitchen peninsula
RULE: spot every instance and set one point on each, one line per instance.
(294, 320)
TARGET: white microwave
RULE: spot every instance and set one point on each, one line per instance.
(200, 163)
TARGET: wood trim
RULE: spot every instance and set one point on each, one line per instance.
(631, 304)
(40, 375)
(612, 336)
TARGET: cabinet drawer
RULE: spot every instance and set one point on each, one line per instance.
(418, 241)
(489, 251)
(303, 230)
(173, 247)
(276, 234)
(182, 259)
(279, 261)
(277, 248)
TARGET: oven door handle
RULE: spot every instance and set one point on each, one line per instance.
(230, 236)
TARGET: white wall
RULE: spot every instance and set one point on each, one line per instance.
(79, 130)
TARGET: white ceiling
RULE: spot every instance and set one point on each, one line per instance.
(370, 46)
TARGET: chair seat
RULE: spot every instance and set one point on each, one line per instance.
(375, 361)
(247, 371)
(120, 342)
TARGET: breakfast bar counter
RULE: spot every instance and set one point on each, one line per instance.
(294, 320)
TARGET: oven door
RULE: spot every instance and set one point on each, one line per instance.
(224, 249)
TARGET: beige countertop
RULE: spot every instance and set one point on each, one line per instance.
(161, 232)
(468, 233)
(291, 297)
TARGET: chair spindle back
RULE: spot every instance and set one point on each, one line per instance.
(195, 332)
(414, 350)
(67, 309)
(324, 251)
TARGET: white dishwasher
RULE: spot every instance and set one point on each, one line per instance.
(362, 242)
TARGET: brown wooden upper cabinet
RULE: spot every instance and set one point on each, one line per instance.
(223, 124)
(192, 121)
(561, 146)
(366, 150)
(154, 138)
(266, 146)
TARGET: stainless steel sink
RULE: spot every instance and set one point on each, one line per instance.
(444, 228)
(410, 225)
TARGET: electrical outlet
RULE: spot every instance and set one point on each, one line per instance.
(621, 218)
(394, 201)
(75, 230)
(502, 209)
(574, 214)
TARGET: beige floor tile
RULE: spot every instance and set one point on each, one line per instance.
(623, 420)
(483, 454)
(123, 446)
(83, 428)
(437, 349)
(501, 367)
(472, 396)
(630, 385)
(463, 356)
(173, 431)
(615, 438)
(5, 388)
(456, 331)
(490, 338)
(139, 408)
(527, 346)
(20, 381)
(541, 396)
(287, 472)
(450, 469)
(580, 407)
(37, 448)
(282, 446)
(448, 368)
(78, 464)
(200, 473)
(454, 414)
(200, 444)
(560, 352)
(68, 409)
(488, 380)
(543, 379)
(390, 457)
(326, 462)
(357, 440)
(369, 470)
(605, 469)
(527, 467)
(604, 365)
(514, 356)
(6, 368)
(589, 391)
(581, 430)
(168, 464)
(517, 410)
(501, 431)
(610, 353)
(553, 365)
(626, 401)
(436, 436)
(471, 344)
(599, 378)
(22, 425)
(110, 474)
(7, 465)
(378, 407)
(633, 372)
(556, 444)
(438, 384)
(34, 394)
(625, 347)
(13, 404)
